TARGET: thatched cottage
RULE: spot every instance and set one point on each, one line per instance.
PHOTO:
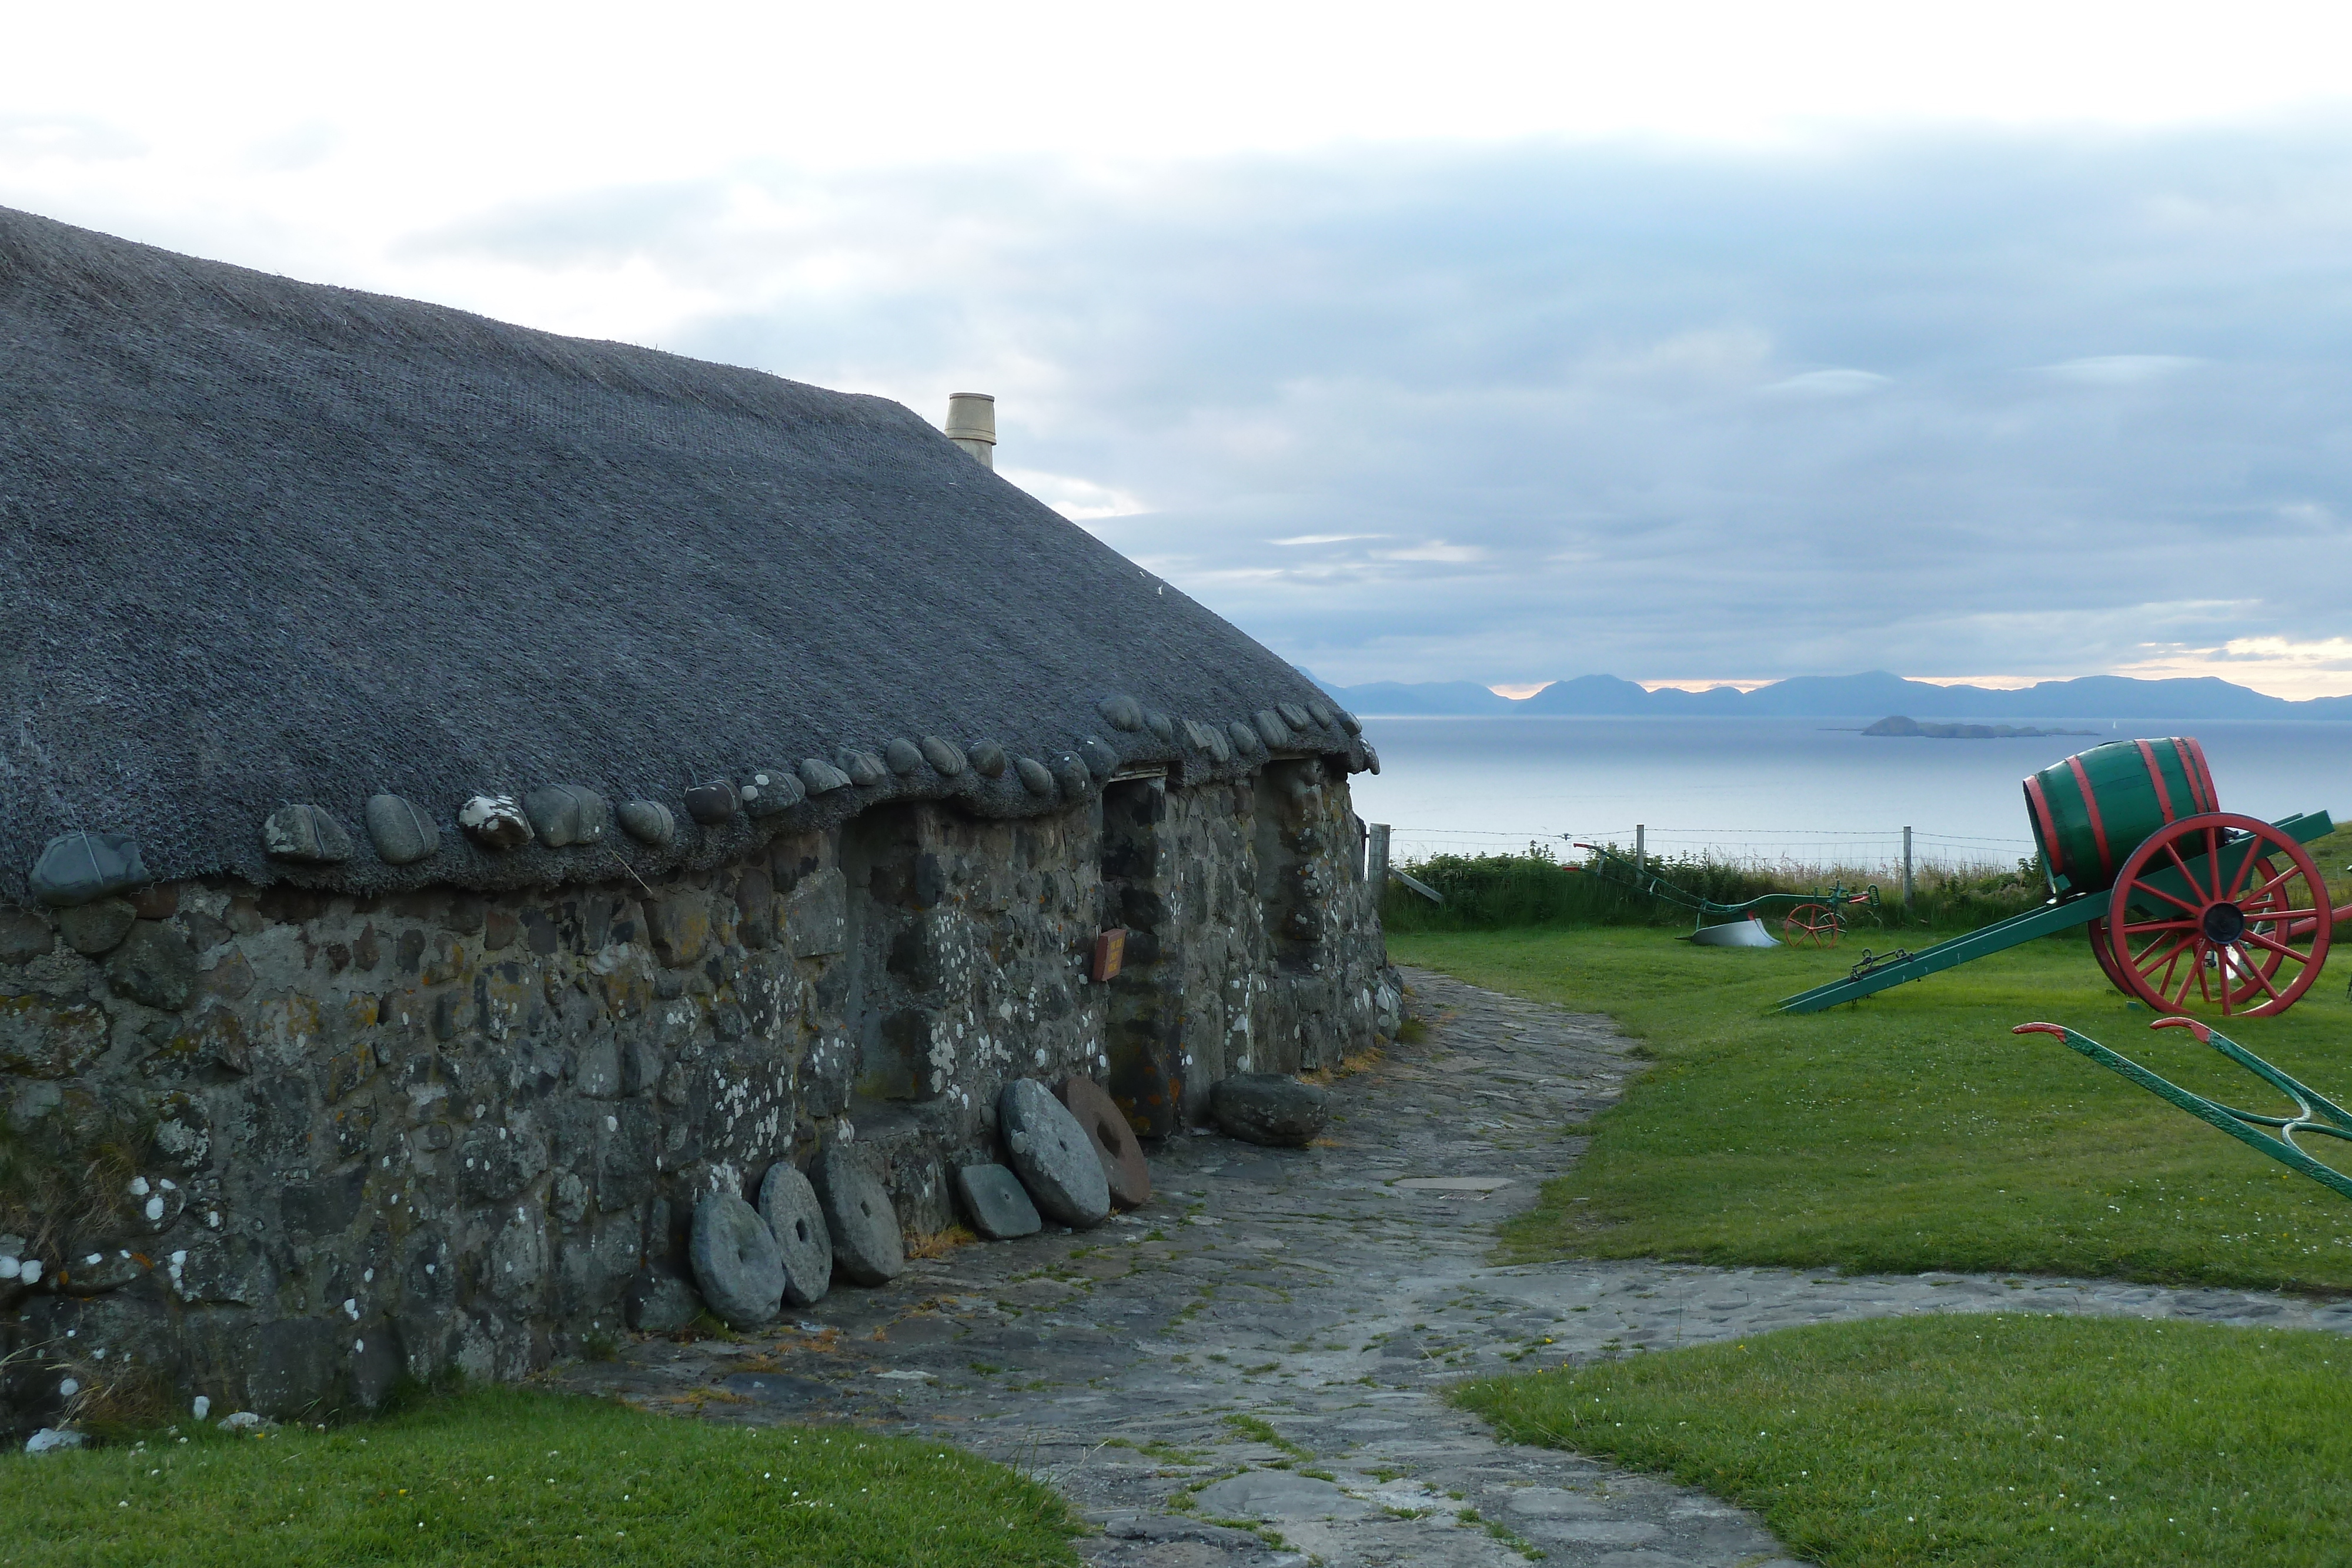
(469, 793)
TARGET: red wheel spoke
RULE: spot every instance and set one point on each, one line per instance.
(2266, 985)
(2196, 972)
(2137, 926)
(2273, 944)
(2150, 957)
(2186, 874)
(2143, 886)
(2239, 880)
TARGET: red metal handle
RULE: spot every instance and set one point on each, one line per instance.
(2203, 1033)
(2057, 1029)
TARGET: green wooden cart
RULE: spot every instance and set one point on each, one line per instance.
(2190, 908)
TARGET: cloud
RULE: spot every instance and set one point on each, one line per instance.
(2119, 369)
(1512, 413)
(1830, 383)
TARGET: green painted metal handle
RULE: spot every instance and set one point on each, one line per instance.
(2314, 1112)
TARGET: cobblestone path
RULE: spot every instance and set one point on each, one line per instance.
(1266, 1342)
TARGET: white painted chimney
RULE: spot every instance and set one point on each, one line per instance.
(972, 424)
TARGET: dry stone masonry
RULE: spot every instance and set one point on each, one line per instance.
(506, 839)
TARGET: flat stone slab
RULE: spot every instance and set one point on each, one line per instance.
(997, 1203)
(1278, 1495)
(1453, 1184)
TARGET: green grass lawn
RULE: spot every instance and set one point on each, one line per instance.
(1913, 1131)
(504, 1476)
(2000, 1441)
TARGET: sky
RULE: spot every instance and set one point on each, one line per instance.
(1494, 343)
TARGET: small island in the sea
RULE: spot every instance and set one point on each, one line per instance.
(1898, 725)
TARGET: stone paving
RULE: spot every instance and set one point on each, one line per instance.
(1248, 1372)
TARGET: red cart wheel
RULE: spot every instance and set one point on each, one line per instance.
(2103, 951)
(1812, 924)
(2241, 928)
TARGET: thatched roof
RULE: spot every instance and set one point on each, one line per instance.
(266, 542)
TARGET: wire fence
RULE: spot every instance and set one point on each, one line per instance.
(1778, 849)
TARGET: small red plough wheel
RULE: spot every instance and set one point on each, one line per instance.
(2218, 913)
(1814, 924)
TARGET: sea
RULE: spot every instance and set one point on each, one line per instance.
(1784, 791)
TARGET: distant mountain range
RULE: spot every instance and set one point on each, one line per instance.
(1870, 696)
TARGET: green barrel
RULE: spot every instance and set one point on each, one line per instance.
(2089, 811)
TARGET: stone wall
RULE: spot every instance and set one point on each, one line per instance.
(283, 1148)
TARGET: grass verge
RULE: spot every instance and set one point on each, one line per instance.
(2000, 1441)
(504, 1476)
(1913, 1131)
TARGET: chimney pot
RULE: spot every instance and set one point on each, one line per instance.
(972, 424)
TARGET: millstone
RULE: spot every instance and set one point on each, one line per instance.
(735, 1261)
(403, 834)
(994, 1197)
(1268, 1108)
(305, 833)
(858, 1216)
(1050, 1153)
(788, 1203)
(1124, 1168)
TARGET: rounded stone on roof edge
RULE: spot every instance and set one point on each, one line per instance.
(494, 821)
(1034, 776)
(1350, 722)
(947, 759)
(821, 777)
(305, 833)
(1121, 712)
(1323, 712)
(1293, 715)
(1244, 739)
(1101, 759)
(713, 802)
(403, 834)
(865, 769)
(1271, 729)
(902, 757)
(987, 758)
(768, 792)
(74, 868)
(647, 821)
(1160, 724)
(567, 814)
